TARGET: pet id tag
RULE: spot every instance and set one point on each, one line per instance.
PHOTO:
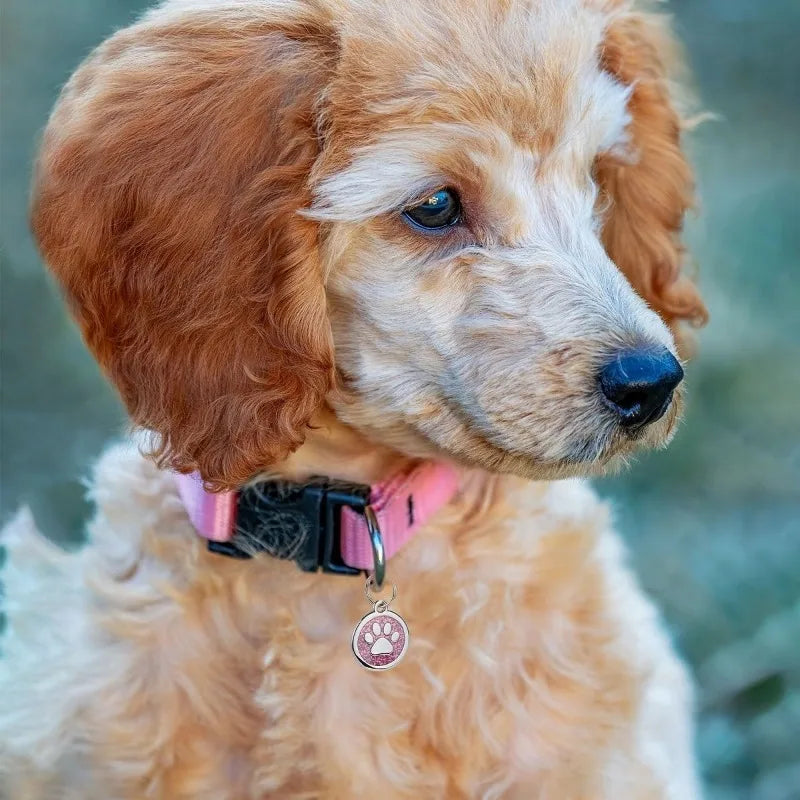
(380, 640)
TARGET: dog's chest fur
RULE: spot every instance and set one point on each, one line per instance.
(530, 667)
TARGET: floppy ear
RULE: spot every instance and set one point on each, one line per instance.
(165, 202)
(649, 191)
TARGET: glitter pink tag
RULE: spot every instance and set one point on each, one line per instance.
(380, 640)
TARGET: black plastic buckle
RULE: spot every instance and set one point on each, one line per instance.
(314, 509)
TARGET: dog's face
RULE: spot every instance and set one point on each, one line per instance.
(466, 203)
(472, 301)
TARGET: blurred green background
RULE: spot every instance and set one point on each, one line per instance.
(713, 523)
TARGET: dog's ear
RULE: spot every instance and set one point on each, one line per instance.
(648, 190)
(165, 202)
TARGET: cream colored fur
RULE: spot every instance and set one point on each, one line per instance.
(142, 666)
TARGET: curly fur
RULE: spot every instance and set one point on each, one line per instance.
(647, 203)
(165, 199)
(218, 192)
(537, 668)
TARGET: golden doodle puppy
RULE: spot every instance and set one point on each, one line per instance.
(379, 280)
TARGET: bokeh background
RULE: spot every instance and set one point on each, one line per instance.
(713, 523)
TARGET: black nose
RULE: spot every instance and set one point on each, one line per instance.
(638, 384)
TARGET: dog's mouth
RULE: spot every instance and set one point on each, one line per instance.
(606, 448)
(602, 454)
(445, 429)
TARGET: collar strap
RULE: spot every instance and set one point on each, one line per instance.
(320, 524)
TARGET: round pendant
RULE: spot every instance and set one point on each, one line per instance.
(380, 640)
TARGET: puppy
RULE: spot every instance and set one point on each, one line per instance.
(344, 238)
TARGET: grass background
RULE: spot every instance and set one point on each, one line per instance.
(713, 523)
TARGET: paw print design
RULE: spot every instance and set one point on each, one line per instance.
(381, 646)
(380, 640)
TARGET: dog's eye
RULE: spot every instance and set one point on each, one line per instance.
(441, 210)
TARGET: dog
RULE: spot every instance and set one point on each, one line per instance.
(346, 240)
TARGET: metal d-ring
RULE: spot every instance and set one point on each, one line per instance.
(378, 551)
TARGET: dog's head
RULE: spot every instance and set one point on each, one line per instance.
(474, 205)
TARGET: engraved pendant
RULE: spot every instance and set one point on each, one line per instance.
(380, 640)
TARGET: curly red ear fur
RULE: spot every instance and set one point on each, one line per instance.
(648, 197)
(165, 202)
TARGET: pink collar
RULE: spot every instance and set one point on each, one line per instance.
(331, 518)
